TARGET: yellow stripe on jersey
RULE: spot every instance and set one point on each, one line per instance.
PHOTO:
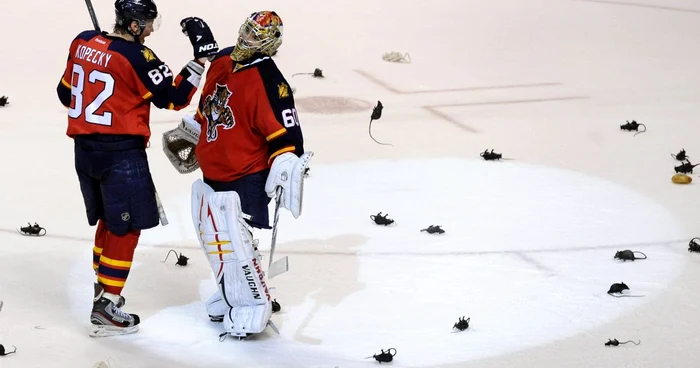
(281, 151)
(147, 96)
(275, 134)
(65, 84)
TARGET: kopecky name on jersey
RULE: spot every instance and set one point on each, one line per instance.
(91, 55)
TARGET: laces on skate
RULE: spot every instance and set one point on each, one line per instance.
(181, 259)
(120, 313)
(384, 357)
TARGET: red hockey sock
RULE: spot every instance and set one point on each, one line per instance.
(99, 244)
(115, 260)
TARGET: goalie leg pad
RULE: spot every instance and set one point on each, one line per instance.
(216, 305)
(228, 244)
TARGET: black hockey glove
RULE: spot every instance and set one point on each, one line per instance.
(200, 36)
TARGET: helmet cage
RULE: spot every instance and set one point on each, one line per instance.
(254, 37)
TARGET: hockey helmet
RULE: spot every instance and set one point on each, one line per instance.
(141, 11)
(261, 32)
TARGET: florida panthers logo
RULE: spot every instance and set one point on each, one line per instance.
(217, 112)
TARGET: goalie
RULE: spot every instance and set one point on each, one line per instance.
(247, 141)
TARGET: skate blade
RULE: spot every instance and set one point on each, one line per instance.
(243, 335)
(236, 335)
(105, 331)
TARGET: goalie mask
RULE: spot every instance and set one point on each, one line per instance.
(261, 32)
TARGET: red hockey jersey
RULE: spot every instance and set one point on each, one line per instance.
(109, 84)
(247, 116)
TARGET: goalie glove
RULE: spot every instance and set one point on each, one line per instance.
(179, 144)
(287, 172)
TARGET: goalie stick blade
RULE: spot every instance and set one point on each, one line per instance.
(161, 211)
(278, 267)
(273, 327)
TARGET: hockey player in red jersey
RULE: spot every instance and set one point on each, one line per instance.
(248, 145)
(108, 86)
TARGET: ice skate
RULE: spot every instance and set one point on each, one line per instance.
(107, 318)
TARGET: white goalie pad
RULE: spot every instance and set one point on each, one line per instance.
(179, 144)
(228, 244)
(287, 171)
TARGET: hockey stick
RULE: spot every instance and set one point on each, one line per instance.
(93, 17)
(273, 242)
(161, 211)
(281, 265)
